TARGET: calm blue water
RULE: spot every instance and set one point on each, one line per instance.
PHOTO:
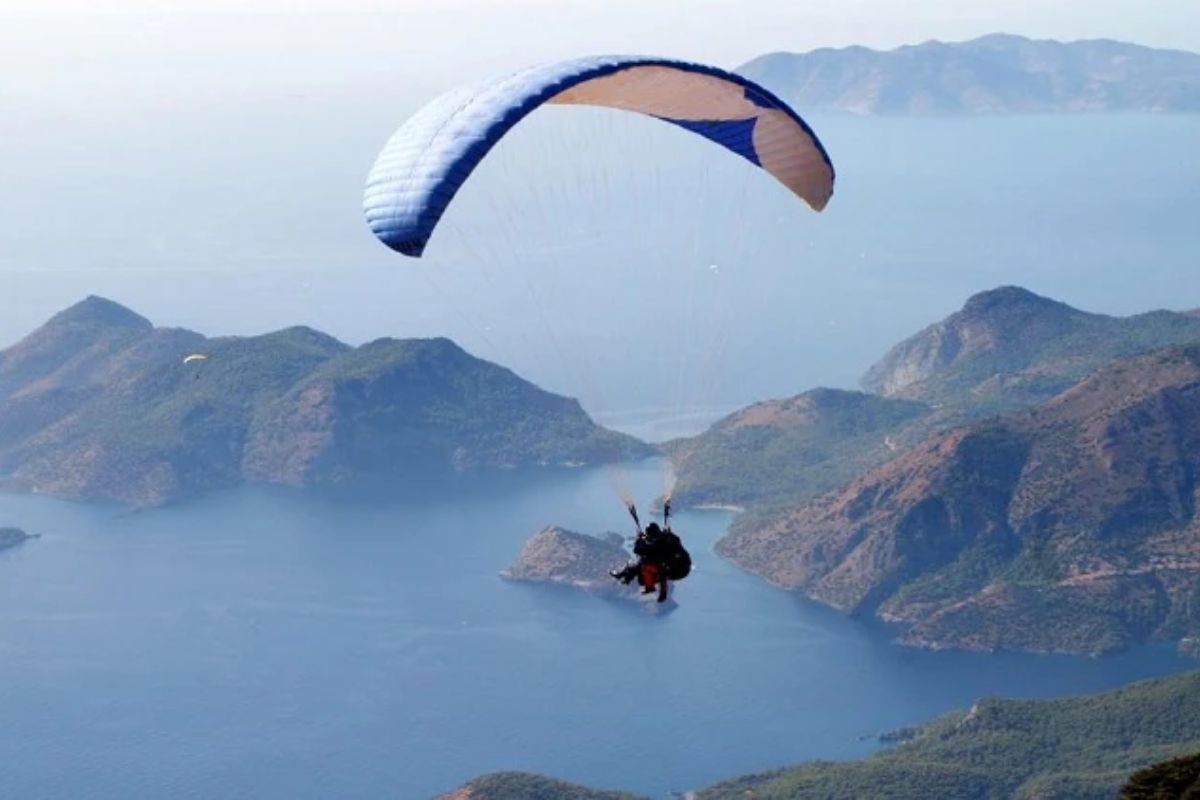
(264, 645)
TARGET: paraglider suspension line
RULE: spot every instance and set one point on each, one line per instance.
(633, 513)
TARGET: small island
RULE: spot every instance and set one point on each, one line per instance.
(556, 555)
(11, 537)
(511, 785)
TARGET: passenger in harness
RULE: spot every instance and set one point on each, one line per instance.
(661, 556)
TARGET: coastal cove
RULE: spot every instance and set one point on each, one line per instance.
(262, 642)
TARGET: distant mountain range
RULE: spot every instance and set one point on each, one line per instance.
(99, 404)
(996, 74)
(1067, 523)
(1081, 748)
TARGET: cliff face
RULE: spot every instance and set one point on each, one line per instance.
(99, 404)
(1068, 527)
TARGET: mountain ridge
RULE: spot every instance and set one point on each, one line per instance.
(1006, 349)
(1009, 348)
(99, 404)
(1022, 480)
(1069, 527)
(994, 74)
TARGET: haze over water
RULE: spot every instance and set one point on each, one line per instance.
(263, 644)
(593, 277)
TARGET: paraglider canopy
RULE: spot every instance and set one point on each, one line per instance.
(428, 159)
(194, 357)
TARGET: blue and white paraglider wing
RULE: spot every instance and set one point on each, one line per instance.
(429, 158)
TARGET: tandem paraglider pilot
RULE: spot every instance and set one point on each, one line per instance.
(661, 557)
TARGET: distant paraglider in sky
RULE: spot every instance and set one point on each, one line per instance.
(429, 158)
(188, 359)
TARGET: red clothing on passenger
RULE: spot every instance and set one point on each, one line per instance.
(651, 575)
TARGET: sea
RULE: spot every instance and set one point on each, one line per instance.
(263, 643)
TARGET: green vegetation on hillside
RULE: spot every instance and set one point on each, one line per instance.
(99, 404)
(1075, 748)
(1007, 349)
(1079, 748)
(1177, 779)
(1061, 525)
(1070, 527)
(789, 450)
(524, 786)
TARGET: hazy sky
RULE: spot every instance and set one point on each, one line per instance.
(135, 50)
(203, 161)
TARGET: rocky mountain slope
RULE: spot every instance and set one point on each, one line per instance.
(787, 449)
(99, 404)
(1010, 348)
(1069, 527)
(994, 74)
(1006, 349)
